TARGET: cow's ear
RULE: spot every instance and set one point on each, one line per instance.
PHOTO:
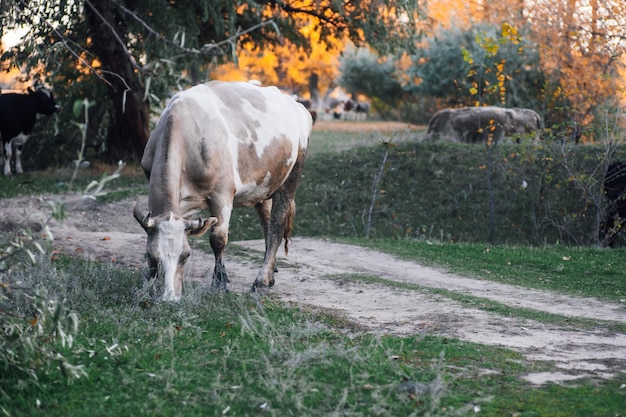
(143, 218)
(199, 227)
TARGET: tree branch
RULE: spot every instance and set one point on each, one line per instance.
(65, 43)
(115, 35)
(310, 12)
(207, 49)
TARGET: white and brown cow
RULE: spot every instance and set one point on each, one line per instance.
(218, 146)
(476, 124)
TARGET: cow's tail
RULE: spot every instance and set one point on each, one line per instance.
(291, 213)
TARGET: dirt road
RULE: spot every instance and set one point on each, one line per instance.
(316, 274)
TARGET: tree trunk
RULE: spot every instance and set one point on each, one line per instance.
(314, 89)
(129, 129)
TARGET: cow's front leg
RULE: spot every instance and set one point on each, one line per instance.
(219, 240)
(8, 154)
(218, 244)
(220, 276)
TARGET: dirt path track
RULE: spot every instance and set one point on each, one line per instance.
(316, 274)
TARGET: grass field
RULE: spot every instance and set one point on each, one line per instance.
(219, 354)
(239, 355)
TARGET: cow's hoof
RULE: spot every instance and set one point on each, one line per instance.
(219, 287)
(259, 288)
(220, 280)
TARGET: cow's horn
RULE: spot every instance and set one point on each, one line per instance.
(194, 224)
(144, 218)
(200, 226)
(147, 221)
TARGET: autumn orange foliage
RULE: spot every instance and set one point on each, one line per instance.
(582, 45)
(582, 49)
(287, 65)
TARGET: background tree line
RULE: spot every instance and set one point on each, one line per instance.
(407, 58)
(129, 55)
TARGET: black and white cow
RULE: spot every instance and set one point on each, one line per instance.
(18, 113)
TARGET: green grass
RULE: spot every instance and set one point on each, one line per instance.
(438, 191)
(131, 182)
(226, 354)
(581, 271)
(334, 141)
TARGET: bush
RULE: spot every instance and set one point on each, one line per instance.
(544, 193)
(36, 323)
(35, 326)
(443, 72)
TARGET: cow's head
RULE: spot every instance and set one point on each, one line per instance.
(168, 248)
(45, 101)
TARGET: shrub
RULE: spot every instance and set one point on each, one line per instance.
(35, 326)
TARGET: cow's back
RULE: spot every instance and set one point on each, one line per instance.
(17, 115)
(218, 137)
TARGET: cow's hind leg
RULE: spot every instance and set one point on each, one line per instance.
(18, 159)
(279, 228)
(264, 210)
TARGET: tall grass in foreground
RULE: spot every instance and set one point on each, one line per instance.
(217, 354)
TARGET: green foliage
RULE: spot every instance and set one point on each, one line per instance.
(31, 339)
(129, 58)
(444, 64)
(438, 191)
(35, 324)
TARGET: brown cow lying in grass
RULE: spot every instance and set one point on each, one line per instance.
(478, 124)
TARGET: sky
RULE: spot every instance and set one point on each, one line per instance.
(11, 38)
(7, 80)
